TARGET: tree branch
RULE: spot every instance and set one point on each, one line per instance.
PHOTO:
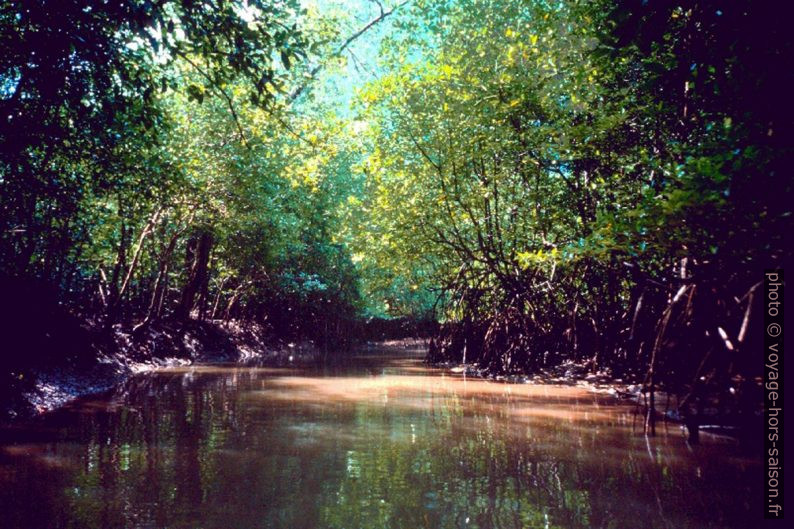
(223, 93)
(314, 71)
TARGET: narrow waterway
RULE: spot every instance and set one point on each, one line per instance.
(386, 443)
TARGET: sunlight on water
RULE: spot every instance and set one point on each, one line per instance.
(387, 444)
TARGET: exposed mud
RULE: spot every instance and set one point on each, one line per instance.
(44, 386)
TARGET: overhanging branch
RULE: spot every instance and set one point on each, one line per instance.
(314, 71)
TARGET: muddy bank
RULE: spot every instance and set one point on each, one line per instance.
(83, 360)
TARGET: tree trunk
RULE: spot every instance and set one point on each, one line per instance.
(159, 285)
(217, 299)
(113, 306)
(197, 274)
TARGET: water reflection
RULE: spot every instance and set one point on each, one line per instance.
(389, 444)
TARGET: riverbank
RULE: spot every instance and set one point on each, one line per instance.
(106, 359)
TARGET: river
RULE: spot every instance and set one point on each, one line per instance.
(384, 443)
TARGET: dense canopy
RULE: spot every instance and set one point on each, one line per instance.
(594, 181)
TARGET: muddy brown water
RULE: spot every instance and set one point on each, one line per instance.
(384, 443)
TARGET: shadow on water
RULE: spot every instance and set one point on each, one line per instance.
(386, 443)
